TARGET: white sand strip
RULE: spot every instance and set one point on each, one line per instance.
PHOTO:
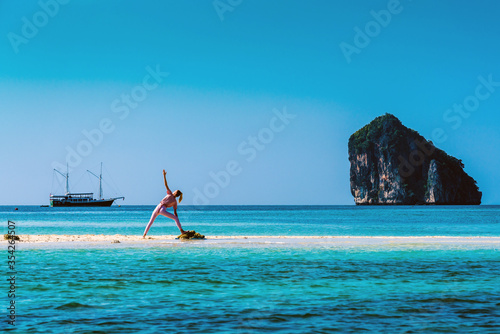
(368, 240)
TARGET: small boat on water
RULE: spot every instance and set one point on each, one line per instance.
(80, 199)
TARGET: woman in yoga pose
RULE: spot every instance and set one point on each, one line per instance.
(161, 209)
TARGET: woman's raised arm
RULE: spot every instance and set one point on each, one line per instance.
(165, 180)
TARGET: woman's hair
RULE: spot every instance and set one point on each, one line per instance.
(179, 194)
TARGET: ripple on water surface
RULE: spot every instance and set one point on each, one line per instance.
(255, 290)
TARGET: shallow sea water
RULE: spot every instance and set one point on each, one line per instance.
(262, 287)
(258, 290)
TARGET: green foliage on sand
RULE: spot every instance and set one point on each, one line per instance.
(191, 235)
(10, 237)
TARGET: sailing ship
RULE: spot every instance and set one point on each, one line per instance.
(80, 199)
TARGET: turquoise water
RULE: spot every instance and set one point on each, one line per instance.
(259, 288)
(263, 220)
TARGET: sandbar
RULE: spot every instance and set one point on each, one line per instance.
(120, 241)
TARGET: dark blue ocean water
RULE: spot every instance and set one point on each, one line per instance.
(258, 288)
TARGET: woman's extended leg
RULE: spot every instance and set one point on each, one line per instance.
(165, 213)
(155, 214)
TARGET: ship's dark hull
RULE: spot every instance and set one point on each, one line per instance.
(98, 203)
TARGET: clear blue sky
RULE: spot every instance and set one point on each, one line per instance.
(225, 79)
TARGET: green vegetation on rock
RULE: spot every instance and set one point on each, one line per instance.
(390, 164)
(365, 138)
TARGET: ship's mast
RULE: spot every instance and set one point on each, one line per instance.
(65, 176)
(100, 181)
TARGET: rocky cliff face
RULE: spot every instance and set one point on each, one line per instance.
(392, 164)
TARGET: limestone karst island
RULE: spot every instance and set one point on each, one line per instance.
(392, 164)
